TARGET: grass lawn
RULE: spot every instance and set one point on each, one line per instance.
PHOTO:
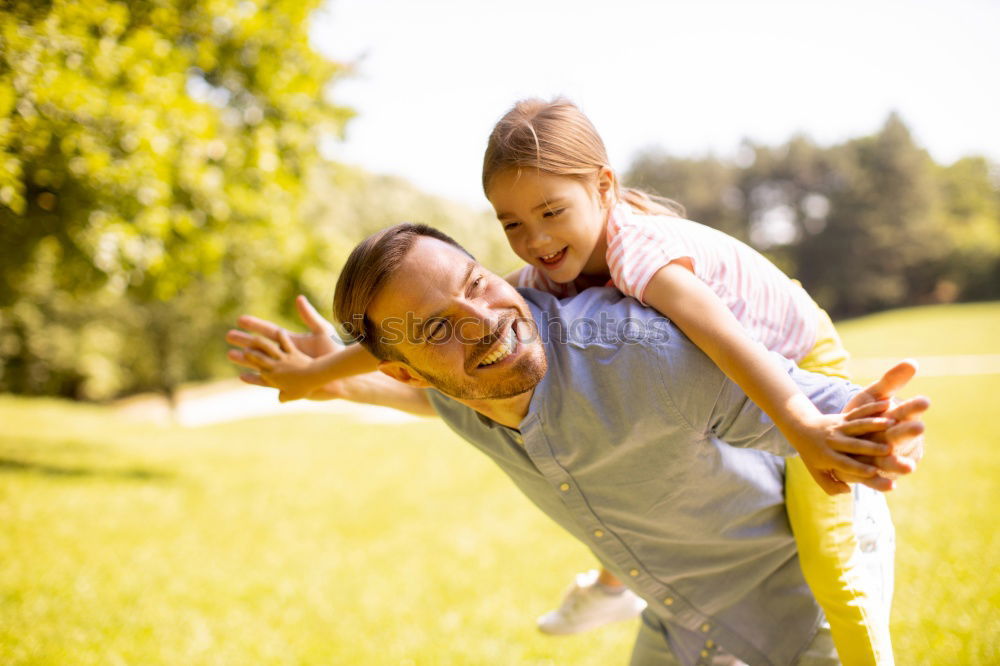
(310, 539)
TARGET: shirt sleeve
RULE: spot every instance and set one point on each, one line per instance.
(642, 245)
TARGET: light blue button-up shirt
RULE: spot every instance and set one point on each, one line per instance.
(639, 446)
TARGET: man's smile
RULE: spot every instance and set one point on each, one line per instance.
(503, 348)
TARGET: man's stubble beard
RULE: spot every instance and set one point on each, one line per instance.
(525, 375)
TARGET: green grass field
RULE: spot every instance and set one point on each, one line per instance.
(311, 539)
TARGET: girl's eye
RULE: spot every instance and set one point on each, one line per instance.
(478, 282)
(552, 213)
(510, 225)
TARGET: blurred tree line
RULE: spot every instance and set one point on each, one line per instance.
(159, 174)
(866, 225)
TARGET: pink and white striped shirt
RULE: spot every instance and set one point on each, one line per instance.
(774, 309)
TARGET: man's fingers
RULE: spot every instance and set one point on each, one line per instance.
(847, 466)
(879, 483)
(894, 379)
(259, 326)
(240, 358)
(313, 319)
(856, 446)
(257, 360)
(254, 378)
(285, 341)
(896, 464)
(238, 338)
(909, 409)
(864, 427)
(266, 347)
(868, 410)
(904, 437)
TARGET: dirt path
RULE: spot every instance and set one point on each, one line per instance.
(231, 399)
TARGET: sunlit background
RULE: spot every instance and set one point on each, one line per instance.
(168, 165)
(689, 77)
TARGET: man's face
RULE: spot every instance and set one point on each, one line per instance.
(458, 327)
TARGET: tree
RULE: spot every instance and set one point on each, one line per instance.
(971, 230)
(152, 158)
(866, 225)
(881, 235)
(708, 187)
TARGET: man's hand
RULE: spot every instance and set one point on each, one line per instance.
(267, 342)
(904, 438)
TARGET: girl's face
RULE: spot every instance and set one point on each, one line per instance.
(555, 223)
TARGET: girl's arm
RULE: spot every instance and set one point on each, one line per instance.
(687, 301)
(296, 375)
(513, 278)
(299, 365)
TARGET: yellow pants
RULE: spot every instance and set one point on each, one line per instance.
(824, 532)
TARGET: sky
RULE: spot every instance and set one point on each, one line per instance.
(431, 77)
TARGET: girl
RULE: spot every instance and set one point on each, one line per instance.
(546, 174)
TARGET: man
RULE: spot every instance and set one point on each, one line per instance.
(620, 429)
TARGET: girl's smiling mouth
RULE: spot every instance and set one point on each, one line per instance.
(554, 258)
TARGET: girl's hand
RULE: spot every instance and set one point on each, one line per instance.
(831, 446)
(266, 349)
(286, 368)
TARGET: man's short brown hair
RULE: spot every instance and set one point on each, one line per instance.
(370, 265)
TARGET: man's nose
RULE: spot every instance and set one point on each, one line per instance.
(476, 322)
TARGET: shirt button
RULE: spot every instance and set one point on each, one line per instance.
(709, 644)
(564, 487)
(598, 533)
(519, 439)
(704, 653)
(669, 601)
(633, 573)
(705, 628)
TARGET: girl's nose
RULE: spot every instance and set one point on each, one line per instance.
(539, 240)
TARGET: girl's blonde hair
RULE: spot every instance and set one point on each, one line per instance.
(556, 138)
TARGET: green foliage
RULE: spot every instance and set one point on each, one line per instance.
(152, 156)
(971, 230)
(866, 225)
(159, 175)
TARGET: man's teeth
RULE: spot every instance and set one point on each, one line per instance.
(503, 351)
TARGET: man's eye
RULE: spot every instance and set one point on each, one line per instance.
(435, 330)
(478, 282)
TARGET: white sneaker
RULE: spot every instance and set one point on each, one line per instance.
(588, 605)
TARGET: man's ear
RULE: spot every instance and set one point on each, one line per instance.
(607, 185)
(402, 372)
